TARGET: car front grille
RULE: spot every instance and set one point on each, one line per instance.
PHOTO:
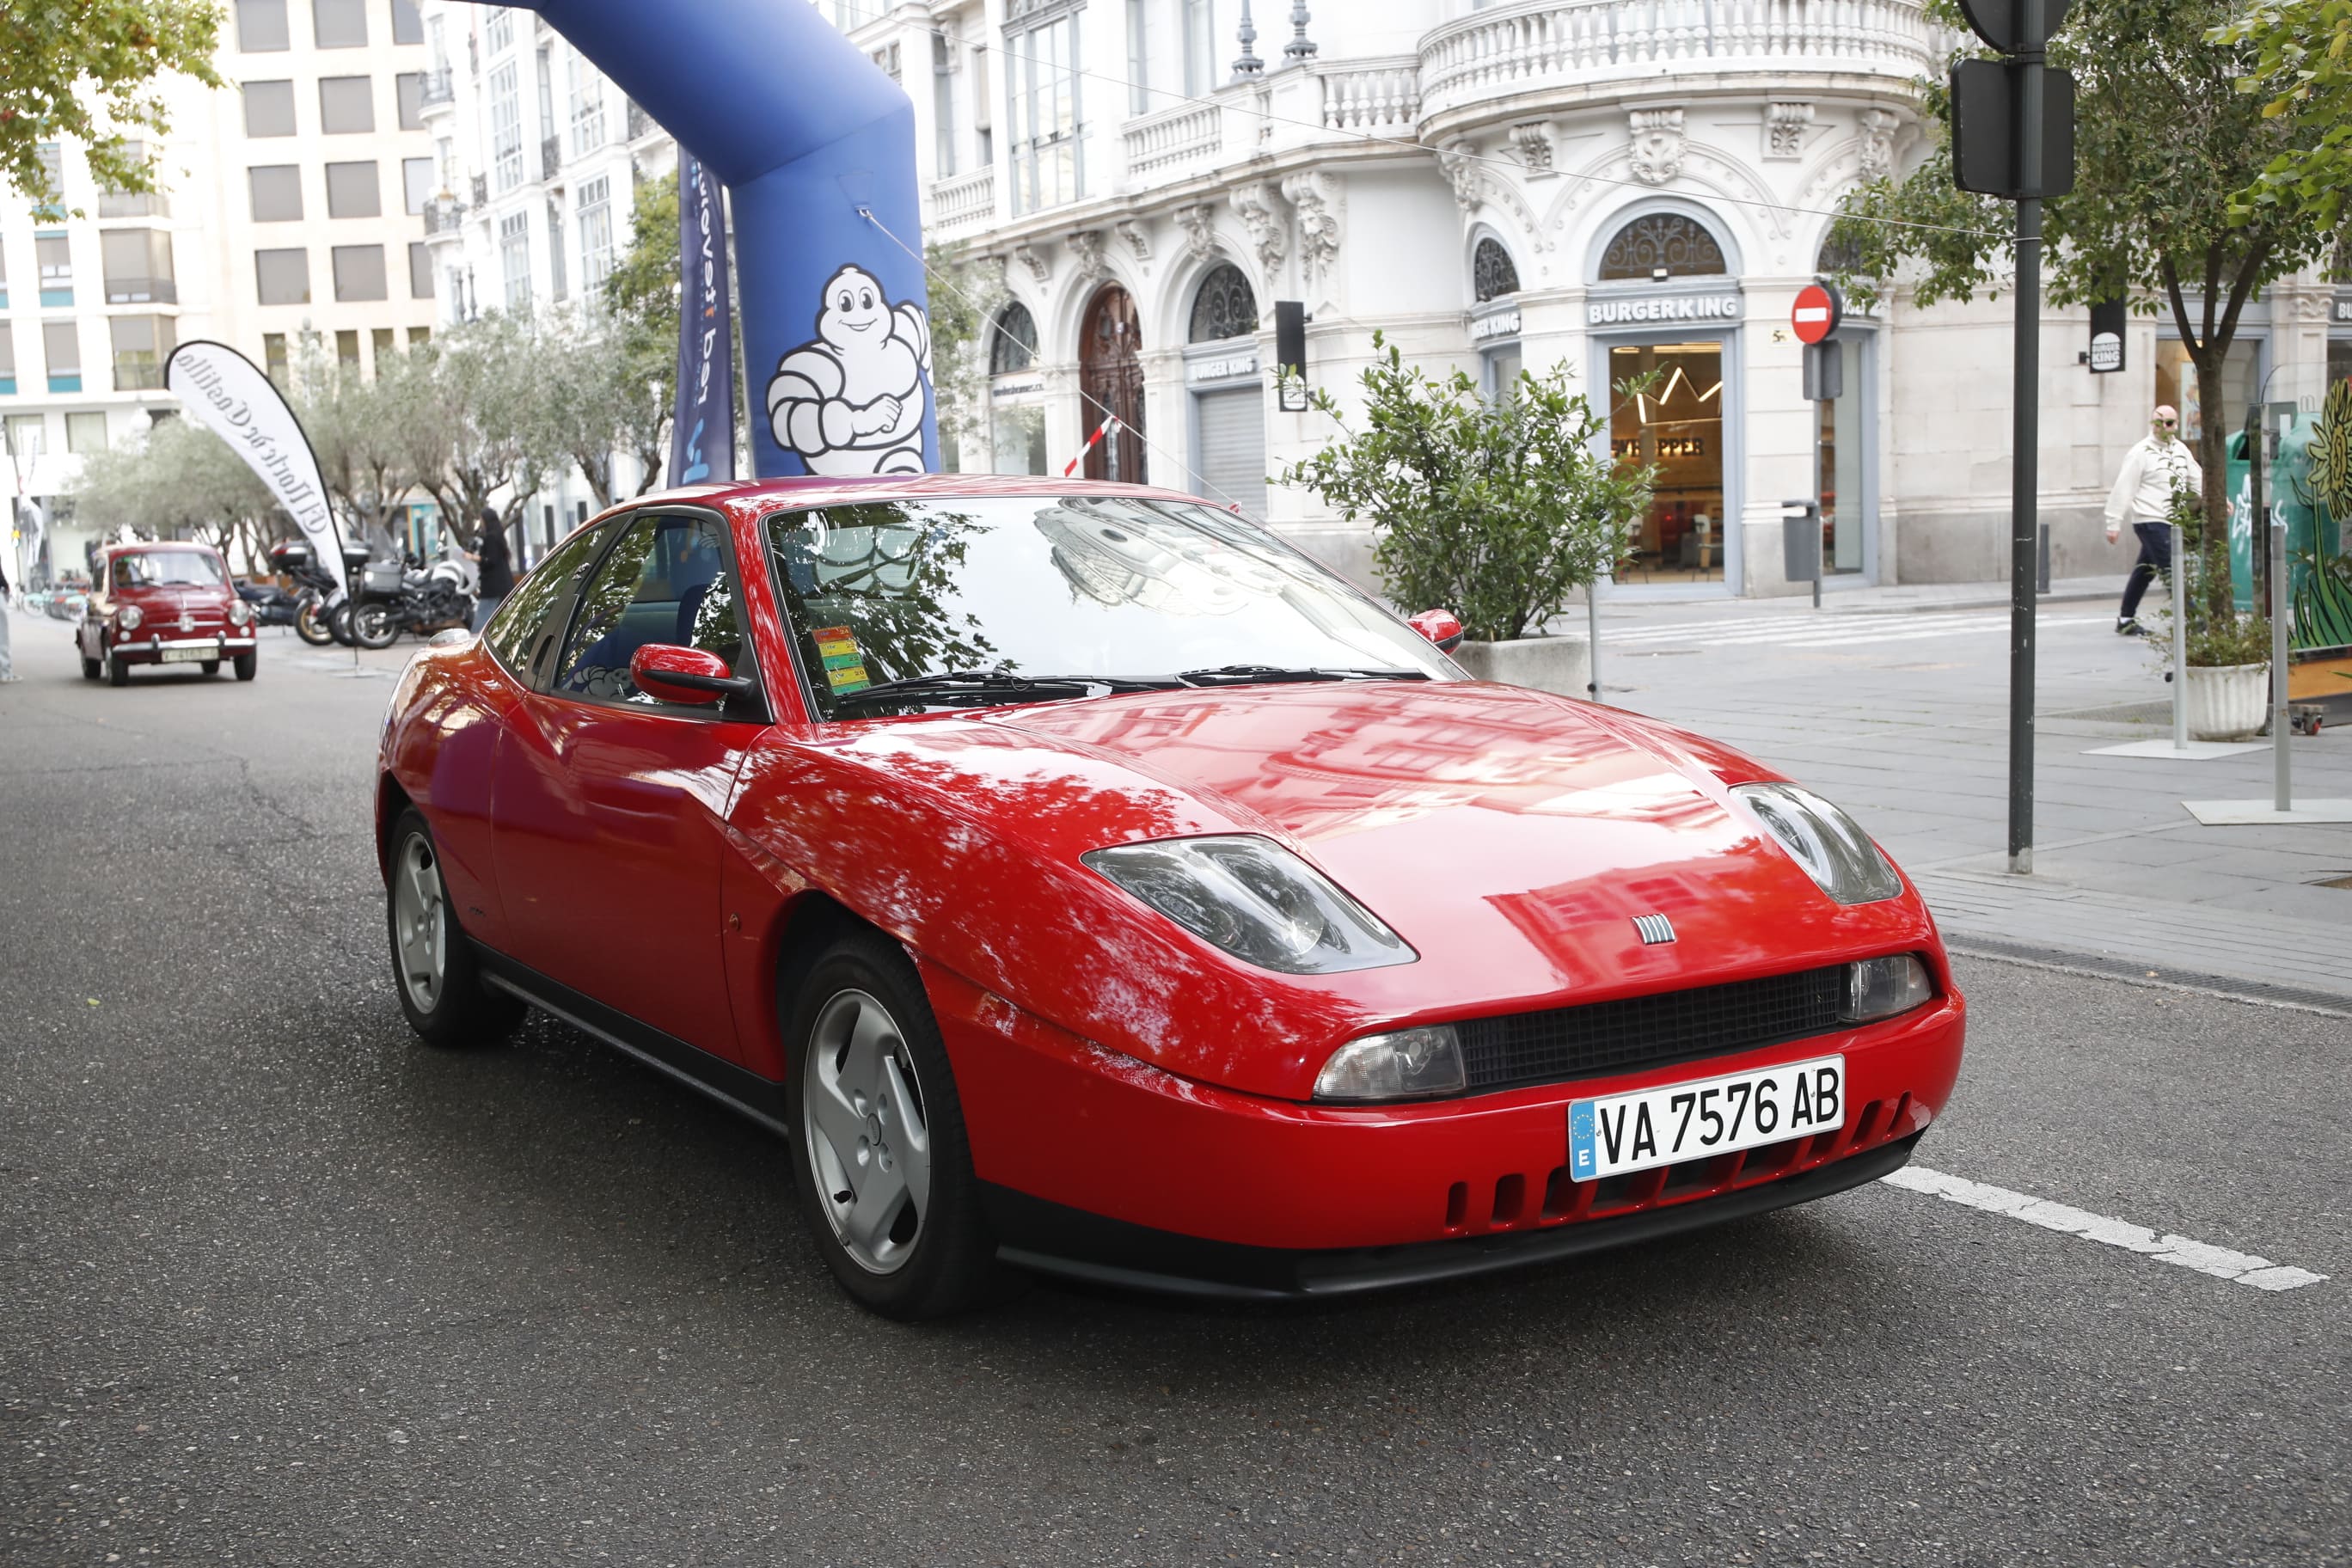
(1634, 1033)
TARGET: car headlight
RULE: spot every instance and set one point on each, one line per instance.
(1881, 987)
(1831, 847)
(1255, 899)
(240, 611)
(128, 618)
(1407, 1064)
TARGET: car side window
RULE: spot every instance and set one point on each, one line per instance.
(666, 582)
(515, 633)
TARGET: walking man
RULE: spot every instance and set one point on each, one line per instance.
(2158, 464)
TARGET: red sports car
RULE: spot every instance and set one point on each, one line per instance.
(164, 604)
(1078, 877)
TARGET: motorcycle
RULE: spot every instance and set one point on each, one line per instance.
(395, 597)
(321, 607)
(272, 605)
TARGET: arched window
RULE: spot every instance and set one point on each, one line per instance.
(1837, 257)
(1225, 306)
(1013, 345)
(1492, 276)
(1659, 246)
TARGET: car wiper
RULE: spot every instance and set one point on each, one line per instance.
(1246, 674)
(986, 681)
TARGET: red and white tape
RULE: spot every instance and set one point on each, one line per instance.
(1101, 430)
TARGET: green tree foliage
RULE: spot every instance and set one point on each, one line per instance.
(641, 303)
(2164, 144)
(86, 71)
(177, 480)
(2302, 72)
(591, 399)
(1498, 510)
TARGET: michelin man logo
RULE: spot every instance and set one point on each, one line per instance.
(851, 400)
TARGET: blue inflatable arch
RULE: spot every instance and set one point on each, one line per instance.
(804, 131)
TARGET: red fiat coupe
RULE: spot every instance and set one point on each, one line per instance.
(164, 604)
(1080, 878)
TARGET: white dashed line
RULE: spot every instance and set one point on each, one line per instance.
(2238, 1268)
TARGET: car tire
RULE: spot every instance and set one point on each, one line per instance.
(88, 667)
(434, 971)
(862, 1037)
(247, 664)
(117, 672)
(210, 666)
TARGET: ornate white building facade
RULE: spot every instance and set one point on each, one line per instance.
(1624, 184)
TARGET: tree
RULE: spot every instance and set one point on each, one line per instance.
(175, 480)
(86, 70)
(463, 418)
(589, 401)
(2164, 141)
(2302, 70)
(641, 301)
(368, 464)
(965, 296)
(1495, 510)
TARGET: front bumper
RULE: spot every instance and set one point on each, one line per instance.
(149, 650)
(1102, 1166)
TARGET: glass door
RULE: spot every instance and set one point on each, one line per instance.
(1676, 423)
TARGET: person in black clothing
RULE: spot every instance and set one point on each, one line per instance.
(497, 568)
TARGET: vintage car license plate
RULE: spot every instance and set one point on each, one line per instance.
(1621, 1133)
(189, 654)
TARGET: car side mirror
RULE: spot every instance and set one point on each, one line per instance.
(1442, 627)
(686, 675)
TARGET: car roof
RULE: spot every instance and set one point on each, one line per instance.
(136, 545)
(757, 497)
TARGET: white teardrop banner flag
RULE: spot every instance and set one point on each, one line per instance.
(231, 398)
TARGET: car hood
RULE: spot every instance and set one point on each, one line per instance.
(1511, 836)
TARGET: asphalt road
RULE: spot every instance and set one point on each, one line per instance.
(282, 1286)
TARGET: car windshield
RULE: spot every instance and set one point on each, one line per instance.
(1076, 594)
(168, 568)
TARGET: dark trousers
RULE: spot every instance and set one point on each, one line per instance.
(2155, 557)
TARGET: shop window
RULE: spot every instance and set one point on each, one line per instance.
(1014, 345)
(1659, 246)
(1225, 306)
(1492, 274)
(1677, 424)
(1019, 440)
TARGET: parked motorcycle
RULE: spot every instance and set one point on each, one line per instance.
(322, 608)
(395, 597)
(272, 605)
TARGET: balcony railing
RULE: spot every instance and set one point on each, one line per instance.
(1535, 44)
(437, 89)
(551, 157)
(1158, 145)
(132, 203)
(1381, 95)
(141, 292)
(443, 215)
(481, 189)
(963, 199)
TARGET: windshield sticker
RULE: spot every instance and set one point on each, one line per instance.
(845, 666)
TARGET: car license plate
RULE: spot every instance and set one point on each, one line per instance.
(171, 655)
(1649, 1127)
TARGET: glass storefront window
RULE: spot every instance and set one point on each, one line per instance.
(1676, 423)
(1844, 505)
(1020, 440)
(2176, 383)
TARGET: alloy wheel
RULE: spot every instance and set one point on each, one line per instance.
(864, 1131)
(419, 923)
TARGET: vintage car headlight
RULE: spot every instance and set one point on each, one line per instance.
(1881, 987)
(239, 613)
(1831, 847)
(1406, 1064)
(128, 618)
(1255, 899)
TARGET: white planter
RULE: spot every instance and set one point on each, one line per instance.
(2226, 701)
(1542, 664)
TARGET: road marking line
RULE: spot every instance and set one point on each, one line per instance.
(2240, 1268)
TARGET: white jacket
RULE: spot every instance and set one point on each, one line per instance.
(2152, 470)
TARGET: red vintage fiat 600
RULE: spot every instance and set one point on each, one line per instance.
(164, 603)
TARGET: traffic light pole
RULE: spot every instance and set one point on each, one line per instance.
(2025, 438)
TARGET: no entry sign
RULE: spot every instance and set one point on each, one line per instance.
(1817, 312)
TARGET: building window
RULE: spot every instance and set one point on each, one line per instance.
(595, 235)
(408, 92)
(587, 104)
(273, 356)
(54, 255)
(1836, 260)
(261, 26)
(417, 335)
(514, 258)
(497, 33)
(8, 360)
(346, 105)
(85, 434)
(1492, 275)
(1200, 47)
(382, 345)
(420, 270)
(50, 207)
(886, 58)
(282, 276)
(408, 26)
(138, 265)
(415, 184)
(1139, 57)
(28, 435)
(112, 203)
(353, 190)
(1014, 345)
(61, 351)
(347, 349)
(268, 108)
(505, 127)
(1041, 72)
(277, 192)
(943, 114)
(555, 281)
(339, 23)
(1659, 246)
(1225, 306)
(142, 344)
(359, 272)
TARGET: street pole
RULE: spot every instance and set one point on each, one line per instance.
(2179, 643)
(2280, 611)
(1592, 638)
(2024, 532)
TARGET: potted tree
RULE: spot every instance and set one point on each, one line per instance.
(1497, 509)
(2226, 684)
